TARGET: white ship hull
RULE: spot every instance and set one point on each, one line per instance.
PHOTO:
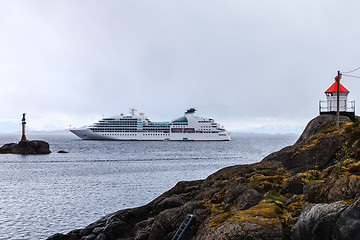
(87, 134)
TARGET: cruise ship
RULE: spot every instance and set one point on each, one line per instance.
(134, 127)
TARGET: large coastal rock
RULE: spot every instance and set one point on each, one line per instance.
(299, 192)
(318, 124)
(337, 220)
(310, 153)
(347, 225)
(315, 220)
(26, 147)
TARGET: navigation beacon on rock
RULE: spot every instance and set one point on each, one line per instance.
(346, 107)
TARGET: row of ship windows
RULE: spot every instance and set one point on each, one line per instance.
(107, 130)
(157, 134)
(134, 125)
(128, 129)
(144, 127)
(135, 122)
(109, 134)
(164, 132)
(114, 128)
(120, 120)
(126, 118)
(111, 124)
(157, 130)
(125, 121)
(131, 134)
(177, 131)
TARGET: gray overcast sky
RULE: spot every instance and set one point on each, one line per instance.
(247, 64)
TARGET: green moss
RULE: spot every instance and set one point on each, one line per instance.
(261, 178)
(289, 217)
(313, 175)
(273, 196)
(330, 127)
(348, 162)
(259, 216)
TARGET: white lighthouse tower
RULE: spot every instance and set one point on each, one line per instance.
(346, 108)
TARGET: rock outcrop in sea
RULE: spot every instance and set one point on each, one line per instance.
(309, 190)
(26, 147)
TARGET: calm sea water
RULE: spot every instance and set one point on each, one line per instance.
(44, 194)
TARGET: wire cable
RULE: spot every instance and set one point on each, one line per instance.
(350, 76)
(352, 70)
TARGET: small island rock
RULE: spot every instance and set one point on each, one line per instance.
(26, 147)
(62, 151)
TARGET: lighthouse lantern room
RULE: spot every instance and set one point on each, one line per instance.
(346, 108)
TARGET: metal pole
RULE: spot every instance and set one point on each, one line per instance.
(338, 100)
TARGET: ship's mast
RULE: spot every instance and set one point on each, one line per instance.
(132, 111)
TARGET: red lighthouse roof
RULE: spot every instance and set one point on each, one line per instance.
(333, 88)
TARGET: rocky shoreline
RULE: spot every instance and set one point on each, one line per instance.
(309, 190)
